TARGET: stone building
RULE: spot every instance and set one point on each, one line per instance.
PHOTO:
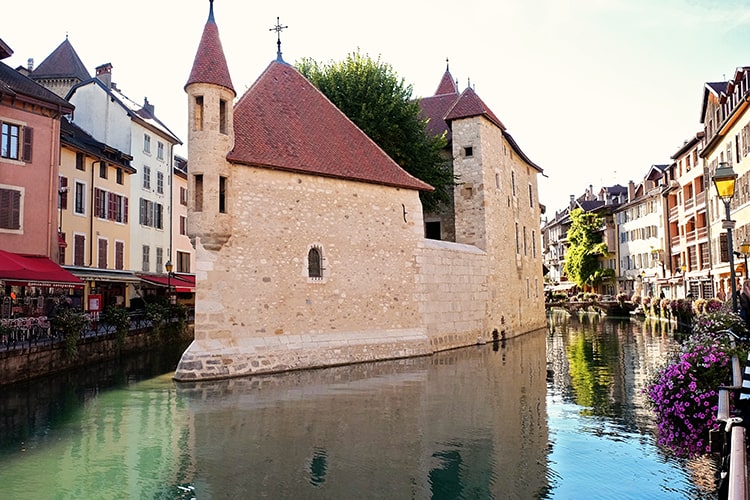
(310, 241)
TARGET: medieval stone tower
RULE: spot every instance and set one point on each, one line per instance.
(210, 137)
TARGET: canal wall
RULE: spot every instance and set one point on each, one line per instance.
(32, 360)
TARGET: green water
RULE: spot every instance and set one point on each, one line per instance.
(482, 422)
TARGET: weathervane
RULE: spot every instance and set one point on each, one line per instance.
(278, 28)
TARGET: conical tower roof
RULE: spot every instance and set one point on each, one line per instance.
(63, 62)
(210, 65)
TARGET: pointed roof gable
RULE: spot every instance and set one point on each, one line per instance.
(210, 65)
(284, 122)
(468, 105)
(62, 62)
(447, 85)
(436, 107)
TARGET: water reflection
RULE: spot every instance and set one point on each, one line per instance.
(447, 426)
(554, 414)
(600, 418)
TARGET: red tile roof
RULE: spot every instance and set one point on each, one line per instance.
(436, 107)
(447, 85)
(284, 122)
(210, 65)
(469, 104)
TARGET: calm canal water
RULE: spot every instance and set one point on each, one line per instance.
(556, 414)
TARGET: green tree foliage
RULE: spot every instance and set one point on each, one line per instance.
(585, 249)
(372, 95)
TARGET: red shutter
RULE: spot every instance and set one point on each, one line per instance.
(28, 142)
(125, 210)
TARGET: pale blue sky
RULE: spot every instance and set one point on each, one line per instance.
(594, 91)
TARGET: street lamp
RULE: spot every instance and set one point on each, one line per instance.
(724, 180)
(168, 266)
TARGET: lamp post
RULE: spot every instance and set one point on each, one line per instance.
(724, 180)
(168, 267)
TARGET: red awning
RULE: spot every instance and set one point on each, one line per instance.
(34, 270)
(182, 283)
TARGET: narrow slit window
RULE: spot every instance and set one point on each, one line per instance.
(223, 116)
(314, 268)
(198, 196)
(198, 110)
(222, 195)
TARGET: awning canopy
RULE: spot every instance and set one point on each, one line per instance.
(182, 283)
(34, 270)
(103, 275)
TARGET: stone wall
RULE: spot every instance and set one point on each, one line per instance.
(453, 293)
(43, 359)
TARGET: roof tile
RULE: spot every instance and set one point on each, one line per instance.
(284, 122)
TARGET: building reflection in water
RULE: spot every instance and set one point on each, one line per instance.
(465, 423)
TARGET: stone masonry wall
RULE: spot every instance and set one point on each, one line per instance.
(453, 293)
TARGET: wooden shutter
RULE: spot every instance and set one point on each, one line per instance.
(28, 143)
(10, 209)
(119, 255)
(79, 244)
(102, 253)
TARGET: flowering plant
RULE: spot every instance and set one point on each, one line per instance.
(684, 393)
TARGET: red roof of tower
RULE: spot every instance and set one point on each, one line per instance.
(210, 65)
(469, 104)
(447, 84)
(284, 122)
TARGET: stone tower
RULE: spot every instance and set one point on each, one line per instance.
(210, 138)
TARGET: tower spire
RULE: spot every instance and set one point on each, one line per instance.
(278, 28)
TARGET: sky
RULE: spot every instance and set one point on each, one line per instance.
(593, 91)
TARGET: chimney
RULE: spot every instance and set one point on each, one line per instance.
(631, 190)
(572, 200)
(149, 108)
(30, 64)
(104, 74)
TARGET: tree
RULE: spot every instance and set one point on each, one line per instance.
(372, 95)
(585, 248)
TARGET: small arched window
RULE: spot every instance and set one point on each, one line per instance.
(314, 267)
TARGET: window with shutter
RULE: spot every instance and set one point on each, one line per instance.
(10, 209)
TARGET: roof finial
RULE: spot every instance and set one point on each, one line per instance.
(278, 29)
(447, 66)
(211, 11)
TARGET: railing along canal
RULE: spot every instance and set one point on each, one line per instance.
(733, 480)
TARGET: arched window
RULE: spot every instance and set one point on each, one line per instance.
(314, 268)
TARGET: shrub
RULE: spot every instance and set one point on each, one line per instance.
(119, 319)
(71, 323)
